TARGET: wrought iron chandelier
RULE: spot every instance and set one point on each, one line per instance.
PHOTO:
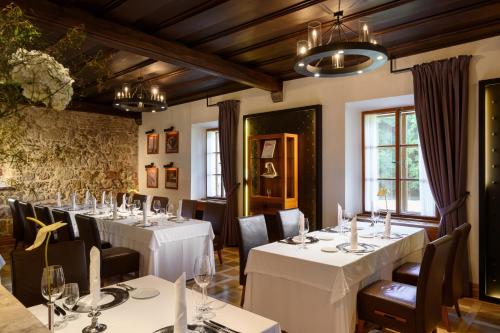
(140, 98)
(339, 56)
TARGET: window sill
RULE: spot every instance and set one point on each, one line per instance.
(431, 226)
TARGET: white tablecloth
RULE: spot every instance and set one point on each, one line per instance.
(315, 291)
(166, 250)
(149, 315)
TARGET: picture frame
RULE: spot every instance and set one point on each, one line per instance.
(172, 178)
(153, 143)
(172, 142)
(152, 177)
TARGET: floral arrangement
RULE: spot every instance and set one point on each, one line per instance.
(382, 191)
(42, 78)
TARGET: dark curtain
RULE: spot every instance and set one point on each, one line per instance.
(229, 113)
(441, 91)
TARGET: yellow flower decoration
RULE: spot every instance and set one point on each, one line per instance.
(382, 191)
(42, 233)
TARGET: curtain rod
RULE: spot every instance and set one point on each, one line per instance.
(397, 71)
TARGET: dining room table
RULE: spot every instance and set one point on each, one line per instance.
(151, 314)
(315, 289)
(168, 245)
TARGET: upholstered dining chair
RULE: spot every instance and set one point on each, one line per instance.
(27, 269)
(403, 307)
(188, 208)
(119, 198)
(252, 232)
(163, 202)
(66, 233)
(43, 214)
(214, 213)
(288, 222)
(115, 261)
(141, 197)
(17, 223)
(453, 277)
(26, 210)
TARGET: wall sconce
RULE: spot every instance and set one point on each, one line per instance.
(170, 129)
(150, 131)
(151, 165)
(169, 165)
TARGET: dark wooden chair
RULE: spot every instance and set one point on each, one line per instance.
(17, 223)
(163, 202)
(115, 261)
(141, 197)
(119, 198)
(453, 277)
(26, 210)
(188, 208)
(43, 214)
(252, 233)
(66, 233)
(288, 222)
(403, 307)
(214, 213)
(27, 269)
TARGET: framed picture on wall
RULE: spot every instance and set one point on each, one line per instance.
(172, 142)
(153, 143)
(152, 177)
(172, 178)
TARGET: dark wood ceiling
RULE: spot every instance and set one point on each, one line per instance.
(195, 49)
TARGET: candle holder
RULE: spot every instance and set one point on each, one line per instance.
(51, 321)
(94, 326)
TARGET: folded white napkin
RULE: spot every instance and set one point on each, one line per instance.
(387, 229)
(115, 208)
(94, 205)
(339, 214)
(73, 200)
(147, 204)
(95, 276)
(180, 323)
(58, 199)
(354, 233)
(179, 209)
(301, 223)
(103, 199)
(87, 198)
(144, 214)
(124, 200)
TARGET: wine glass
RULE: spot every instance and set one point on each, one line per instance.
(202, 277)
(137, 206)
(130, 206)
(70, 298)
(170, 209)
(303, 233)
(52, 287)
(156, 206)
(346, 218)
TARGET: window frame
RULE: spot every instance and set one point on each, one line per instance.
(223, 194)
(397, 146)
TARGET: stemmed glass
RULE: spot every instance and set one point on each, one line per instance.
(374, 218)
(156, 206)
(344, 228)
(137, 206)
(170, 209)
(52, 287)
(70, 298)
(130, 206)
(202, 277)
(303, 233)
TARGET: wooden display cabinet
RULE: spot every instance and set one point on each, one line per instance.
(272, 188)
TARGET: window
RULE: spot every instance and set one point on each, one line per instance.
(215, 189)
(392, 160)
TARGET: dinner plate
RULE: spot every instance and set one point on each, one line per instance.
(324, 236)
(144, 293)
(367, 235)
(329, 249)
(193, 328)
(308, 240)
(110, 297)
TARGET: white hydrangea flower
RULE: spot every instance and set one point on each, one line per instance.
(42, 78)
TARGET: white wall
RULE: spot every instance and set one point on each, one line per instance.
(333, 94)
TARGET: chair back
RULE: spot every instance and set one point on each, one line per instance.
(27, 269)
(89, 233)
(17, 223)
(119, 198)
(163, 202)
(188, 208)
(66, 233)
(214, 213)
(26, 210)
(430, 280)
(253, 233)
(141, 197)
(43, 214)
(453, 287)
(288, 222)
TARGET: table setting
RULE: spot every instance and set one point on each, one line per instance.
(326, 273)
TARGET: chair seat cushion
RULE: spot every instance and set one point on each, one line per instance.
(407, 273)
(389, 303)
(118, 261)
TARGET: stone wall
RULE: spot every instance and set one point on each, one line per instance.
(71, 151)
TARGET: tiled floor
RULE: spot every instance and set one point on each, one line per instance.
(478, 317)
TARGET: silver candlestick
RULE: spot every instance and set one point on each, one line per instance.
(94, 326)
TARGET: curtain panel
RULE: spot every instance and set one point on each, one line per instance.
(229, 113)
(441, 91)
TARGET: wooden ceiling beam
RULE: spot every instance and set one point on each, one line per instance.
(221, 90)
(124, 38)
(108, 110)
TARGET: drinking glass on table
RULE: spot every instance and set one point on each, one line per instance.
(374, 218)
(345, 225)
(202, 277)
(52, 287)
(70, 298)
(303, 233)
(156, 206)
(130, 206)
(170, 209)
